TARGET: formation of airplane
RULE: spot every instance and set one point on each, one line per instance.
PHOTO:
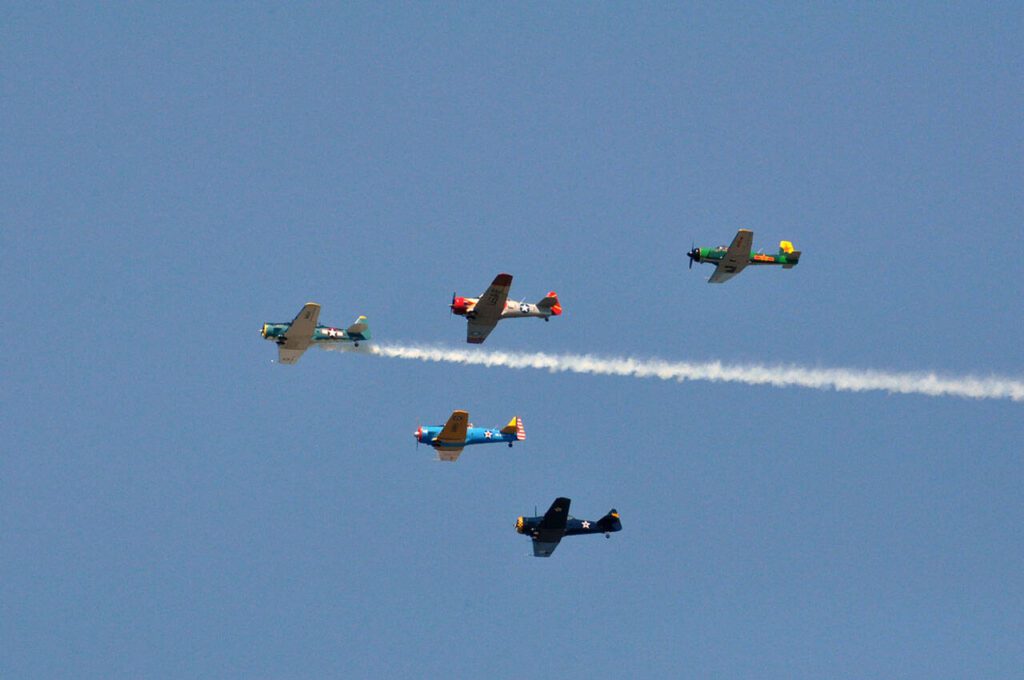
(547, 530)
(459, 433)
(732, 260)
(296, 337)
(484, 313)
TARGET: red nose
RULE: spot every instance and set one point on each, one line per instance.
(418, 432)
(459, 305)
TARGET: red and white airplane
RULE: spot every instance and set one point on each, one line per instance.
(484, 313)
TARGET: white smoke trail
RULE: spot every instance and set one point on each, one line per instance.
(839, 379)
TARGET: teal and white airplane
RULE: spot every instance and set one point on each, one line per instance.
(295, 338)
(459, 433)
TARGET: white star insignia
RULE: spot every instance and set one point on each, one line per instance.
(487, 434)
(586, 524)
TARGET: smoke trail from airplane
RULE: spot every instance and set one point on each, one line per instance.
(838, 379)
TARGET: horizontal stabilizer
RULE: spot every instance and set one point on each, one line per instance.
(360, 327)
(550, 303)
(610, 522)
(793, 259)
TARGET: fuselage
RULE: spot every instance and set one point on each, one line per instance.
(322, 334)
(530, 526)
(716, 255)
(464, 306)
(474, 435)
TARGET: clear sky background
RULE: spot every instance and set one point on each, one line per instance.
(174, 175)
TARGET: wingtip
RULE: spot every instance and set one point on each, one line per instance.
(503, 279)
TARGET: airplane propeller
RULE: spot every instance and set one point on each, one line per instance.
(451, 307)
(694, 254)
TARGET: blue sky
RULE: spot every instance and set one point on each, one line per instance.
(177, 505)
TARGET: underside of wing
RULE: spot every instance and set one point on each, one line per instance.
(454, 431)
(721, 275)
(300, 332)
(477, 330)
(544, 548)
(449, 455)
(288, 356)
(736, 257)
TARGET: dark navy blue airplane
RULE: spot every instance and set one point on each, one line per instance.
(548, 530)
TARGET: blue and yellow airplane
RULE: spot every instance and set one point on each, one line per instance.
(459, 433)
(548, 530)
(295, 338)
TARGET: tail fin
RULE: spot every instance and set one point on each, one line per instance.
(792, 256)
(551, 302)
(360, 330)
(515, 426)
(610, 522)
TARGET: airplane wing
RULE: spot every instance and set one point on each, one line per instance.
(454, 431)
(543, 549)
(488, 309)
(288, 356)
(551, 528)
(298, 336)
(736, 257)
(477, 332)
(449, 455)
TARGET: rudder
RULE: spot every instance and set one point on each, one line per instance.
(516, 427)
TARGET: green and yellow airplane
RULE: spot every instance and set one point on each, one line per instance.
(732, 260)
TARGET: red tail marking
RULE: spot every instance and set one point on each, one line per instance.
(556, 308)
